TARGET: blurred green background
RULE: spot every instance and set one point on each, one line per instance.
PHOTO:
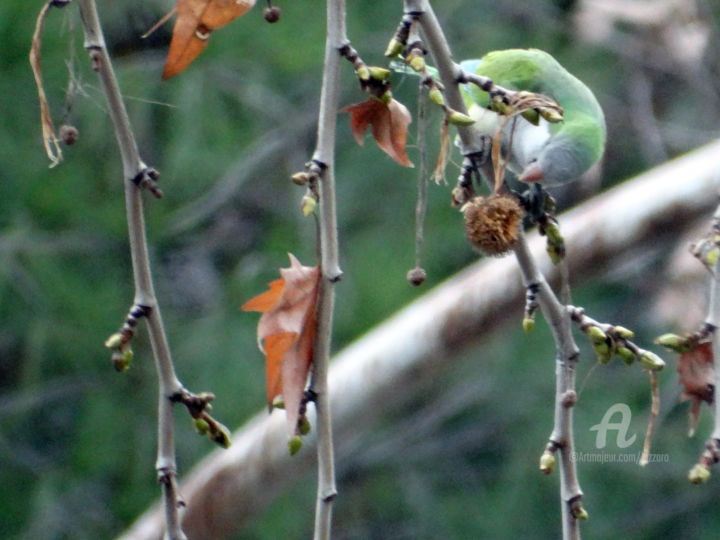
(77, 440)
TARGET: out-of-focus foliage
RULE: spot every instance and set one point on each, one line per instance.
(77, 440)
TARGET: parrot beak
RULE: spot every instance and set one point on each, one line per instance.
(532, 173)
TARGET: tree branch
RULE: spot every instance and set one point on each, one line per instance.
(324, 160)
(137, 175)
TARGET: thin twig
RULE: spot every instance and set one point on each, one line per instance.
(135, 175)
(324, 159)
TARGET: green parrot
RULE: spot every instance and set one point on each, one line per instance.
(551, 153)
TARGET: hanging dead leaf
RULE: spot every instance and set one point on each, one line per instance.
(286, 334)
(389, 123)
(695, 369)
(196, 19)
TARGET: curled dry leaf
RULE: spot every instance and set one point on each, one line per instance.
(389, 123)
(695, 369)
(286, 334)
(196, 20)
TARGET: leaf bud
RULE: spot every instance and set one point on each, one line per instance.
(379, 73)
(294, 444)
(121, 359)
(115, 341)
(304, 425)
(579, 512)
(699, 474)
(603, 352)
(651, 361)
(220, 435)
(394, 48)
(300, 178)
(673, 342)
(711, 257)
(278, 402)
(457, 118)
(386, 97)
(596, 335)
(436, 96)
(201, 426)
(547, 463)
(528, 324)
(416, 61)
(553, 234)
(623, 332)
(308, 206)
(363, 72)
(625, 354)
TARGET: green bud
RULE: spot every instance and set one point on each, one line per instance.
(528, 324)
(363, 72)
(300, 178)
(122, 359)
(308, 205)
(596, 335)
(201, 426)
(579, 512)
(394, 48)
(457, 118)
(625, 354)
(304, 425)
(552, 231)
(623, 332)
(699, 474)
(651, 361)
(436, 96)
(294, 444)
(603, 352)
(278, 402)
(416, 61)
(551, 115)
(379, 73)
(547, 463)
(115, 341)
(554, 253)
(220, 435)
(712, 256)
(386, 97)
(673, 342)
(532, 116)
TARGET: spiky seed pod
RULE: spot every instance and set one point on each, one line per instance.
(492, 224)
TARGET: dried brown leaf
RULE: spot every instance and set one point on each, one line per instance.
(286, 333)
(389, 123)
(195, 22)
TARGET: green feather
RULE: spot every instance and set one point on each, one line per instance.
(580, 139)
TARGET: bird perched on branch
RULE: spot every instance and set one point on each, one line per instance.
(552, 152)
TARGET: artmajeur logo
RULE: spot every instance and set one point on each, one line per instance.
(616, 422)
(606, 424)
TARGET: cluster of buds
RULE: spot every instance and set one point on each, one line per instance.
(413, 55)
(615, 341)
(303, 424)
(309, 178)
(119, 342)
(198, 405)
(122, 353)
